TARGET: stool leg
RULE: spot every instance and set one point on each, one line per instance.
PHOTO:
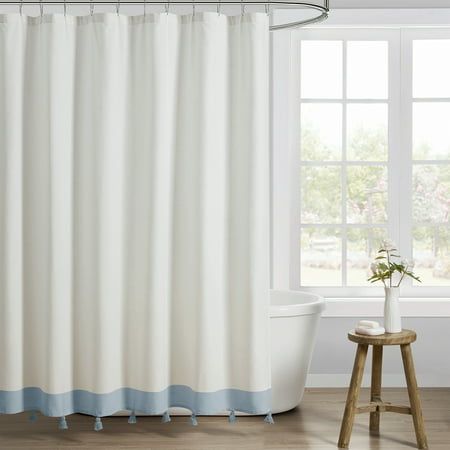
(352, 396)
(375, 389)
(413, 393)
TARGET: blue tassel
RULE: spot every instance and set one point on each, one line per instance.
(132, 418)
(98, 424)
(63, 423)
(232, 417)
(194, 422)
(32, 417)
(166, 417)
(269, 419)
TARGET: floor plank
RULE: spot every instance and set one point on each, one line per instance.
(314, 425)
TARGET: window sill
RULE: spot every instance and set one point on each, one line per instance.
(373, 307)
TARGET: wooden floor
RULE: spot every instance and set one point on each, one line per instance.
(314, 425)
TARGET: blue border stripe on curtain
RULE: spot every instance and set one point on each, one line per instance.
(80, 401)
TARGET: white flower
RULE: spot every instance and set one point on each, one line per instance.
(388, 245)
(374, 267)
(409, 264)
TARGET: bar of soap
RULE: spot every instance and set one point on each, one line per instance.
(370, 331)
(368, 324)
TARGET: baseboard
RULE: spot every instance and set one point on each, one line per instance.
(336, 380)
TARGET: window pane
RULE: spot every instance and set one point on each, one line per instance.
(321, 132)
(431, 68)
(431, 193)
(321, 195)
(367, 69)
(366, 194)
(362, 246)
(431, 130)
(367, 132)
(321, 69)
(321, 257)
(431, 250)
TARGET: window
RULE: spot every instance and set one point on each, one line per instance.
(372, 156)
(430, 155)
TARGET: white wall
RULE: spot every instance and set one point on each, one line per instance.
(333, 355)
(365, 17)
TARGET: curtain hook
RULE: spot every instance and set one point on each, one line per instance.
(21, 7)
(117, 7)
(193, 9)
(41, 7)
(267, 8)
(242, 7)
(218, 7)
(145, 8)
(65, 8)
(91, 7)
(167, 6)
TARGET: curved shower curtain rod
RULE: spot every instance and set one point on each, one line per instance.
(322, 10)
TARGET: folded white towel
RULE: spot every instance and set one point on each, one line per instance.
(368, 324)
(370, 331)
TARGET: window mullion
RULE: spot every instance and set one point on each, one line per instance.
(404, 159)
(344, 166)
(395, 144)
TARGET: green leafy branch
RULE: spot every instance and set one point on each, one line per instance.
(385, 266)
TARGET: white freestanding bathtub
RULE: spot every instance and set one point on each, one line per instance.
(294, 319)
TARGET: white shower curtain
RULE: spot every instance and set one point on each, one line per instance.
(134, 268)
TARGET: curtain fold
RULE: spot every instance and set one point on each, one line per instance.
(134, 244)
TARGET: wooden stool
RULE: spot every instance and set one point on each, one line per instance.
(376, 405)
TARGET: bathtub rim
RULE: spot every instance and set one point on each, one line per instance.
(316, 305)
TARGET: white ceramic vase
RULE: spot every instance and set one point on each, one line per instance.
(392, 318)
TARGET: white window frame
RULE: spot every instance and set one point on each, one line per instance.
(344, 35)
(400, 137)
(407, 101)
